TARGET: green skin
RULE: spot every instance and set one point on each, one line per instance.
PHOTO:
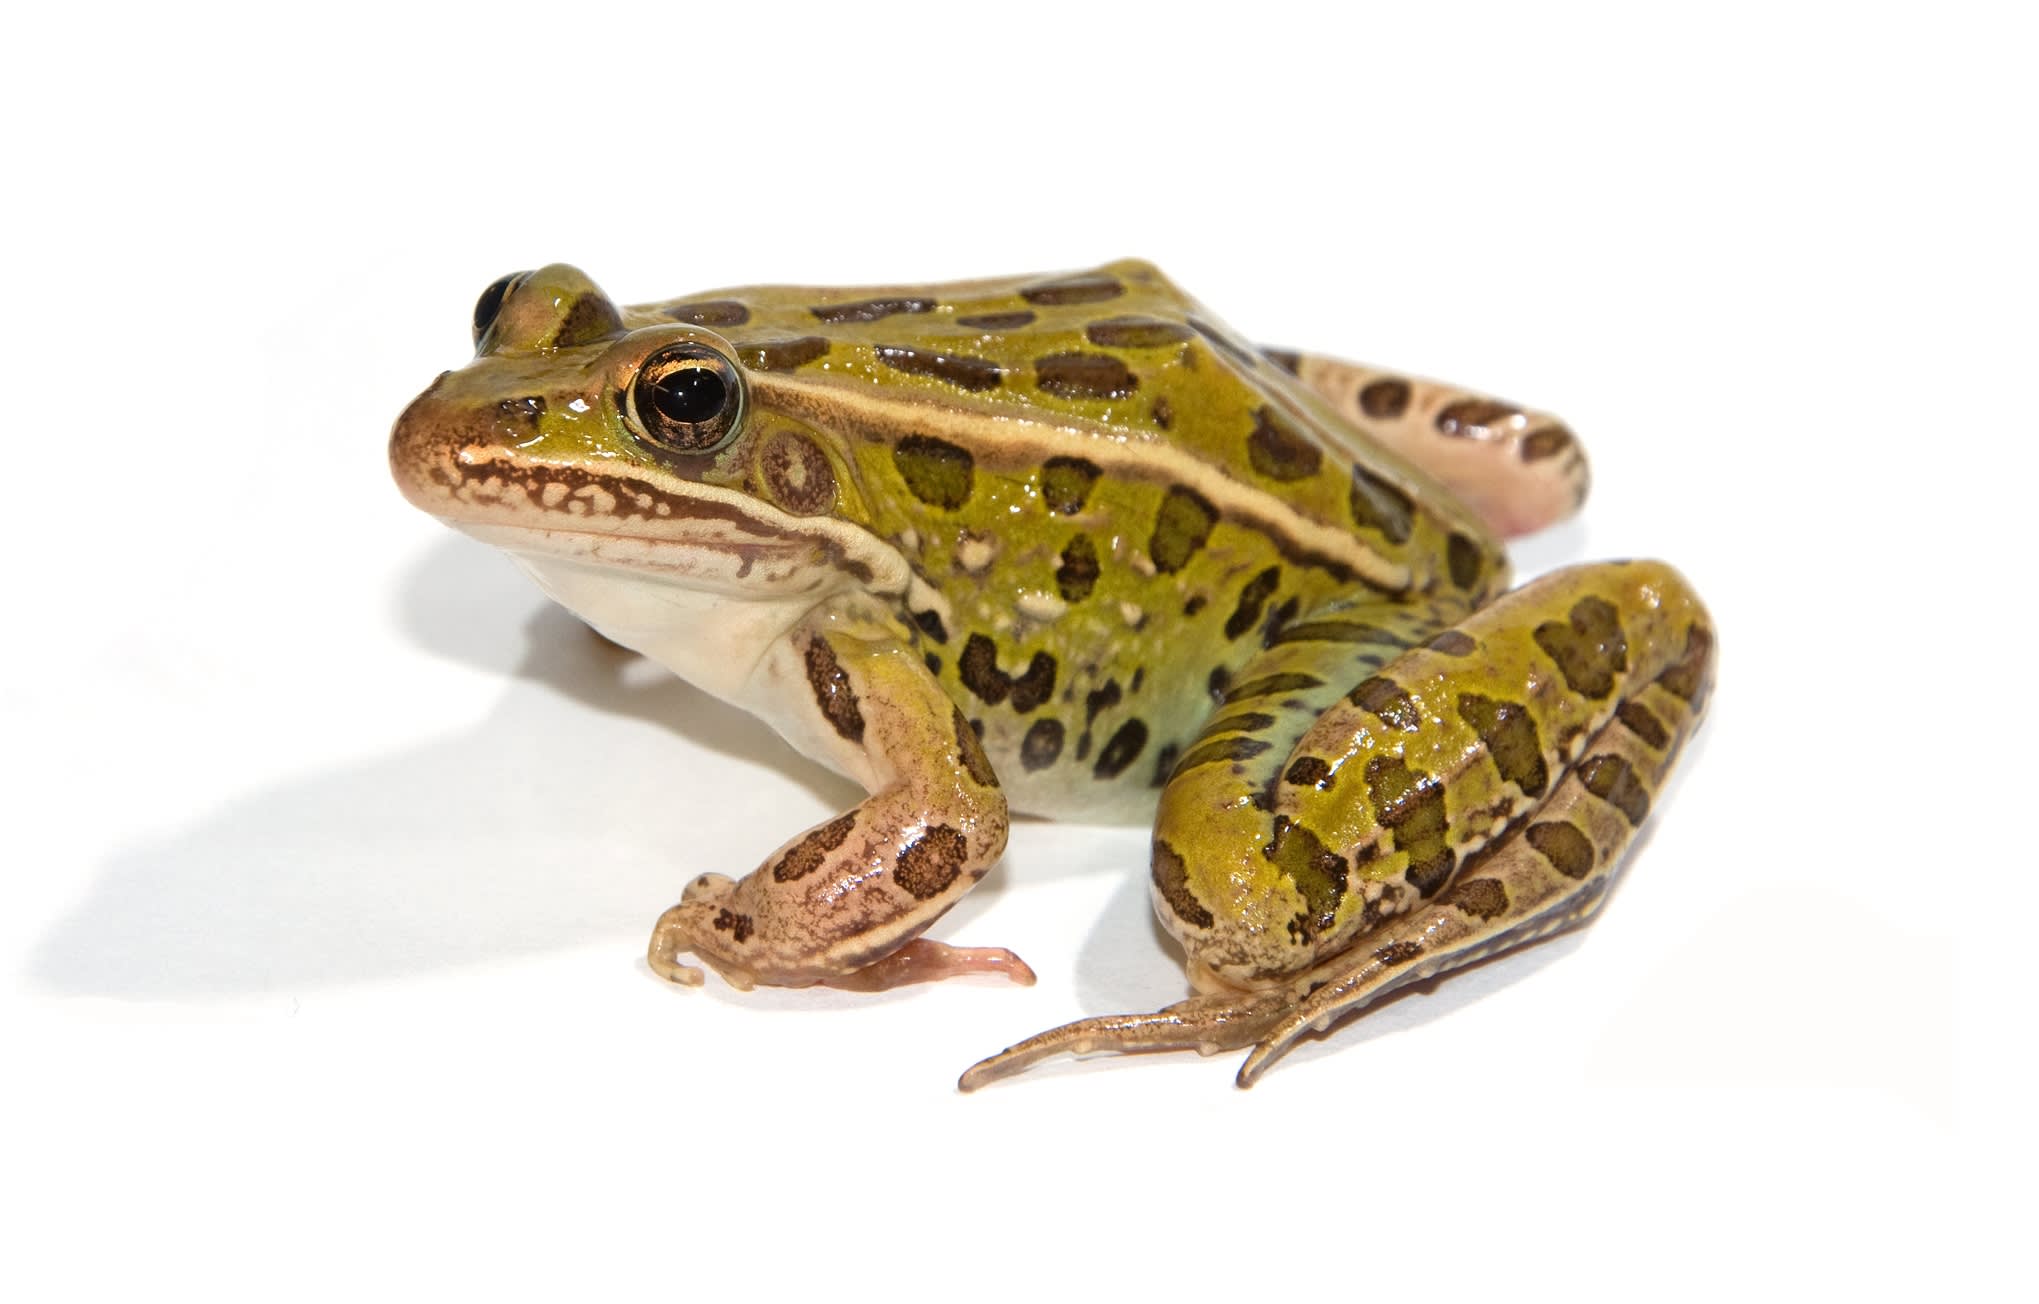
(1065, 545)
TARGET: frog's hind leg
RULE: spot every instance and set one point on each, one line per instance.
(1470, 794)
(1519, 469)
(1550, 871)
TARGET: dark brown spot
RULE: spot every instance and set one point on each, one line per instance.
(782, 355)
(1279, 451)
(1317, 872)
(1308, 772)
(1043, 744)
(1234, 748)
(1688, 679)
(1482, 898)
(933, 663)
(1164, 413)
(1121, 750)
(1225, 344)
(1591, 650)
(1197, 602)
(710, 312)
(1333, 631)
(1180, 528)
(806, 855)
(1084, 375)
(1287, 359)
(930, 623)
(1545, 441)
(1269, 685)
(1066, 484)
(1078, 571)
(1410, 804)
(927, 865)
(1613, 781)
(970, 750)
(1091, 287)
(1164, 764)
(1171, 881)
(960, 370)
(1453, 643)
(1568, 850)
(936, 471)
(797, 475)
(1278, 620)
(1251, 599)
(1100, 699)
(1380, 506)
(1396, 953)
(978, 669)
(1036, 686)
(838, 314)
(1135, 333)
(592, 317)
(832, 691)
(1386, 699)
(1640, 721)
(1462, 558)
(1511, 739)
(1249, 722)
(739, 927)
(1220, 678)
(1384, 400)
(997, 321)
(1474, 418)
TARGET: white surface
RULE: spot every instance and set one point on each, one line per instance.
(332, 849)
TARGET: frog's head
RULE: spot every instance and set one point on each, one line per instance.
(590, 434)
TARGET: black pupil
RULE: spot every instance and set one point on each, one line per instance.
(689, 394)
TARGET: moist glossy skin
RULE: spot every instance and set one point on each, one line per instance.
(1064, 544)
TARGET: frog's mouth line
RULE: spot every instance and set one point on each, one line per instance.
(692, 535)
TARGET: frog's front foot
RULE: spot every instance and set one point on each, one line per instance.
(693, 927)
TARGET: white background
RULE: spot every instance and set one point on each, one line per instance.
(331, 850)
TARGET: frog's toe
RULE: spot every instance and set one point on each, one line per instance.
(922, 961)
(671, 938)
(1205, 1024)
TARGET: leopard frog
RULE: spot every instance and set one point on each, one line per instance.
(1068, 545)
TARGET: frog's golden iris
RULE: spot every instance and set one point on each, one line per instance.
(686, 399)
(1067, 545)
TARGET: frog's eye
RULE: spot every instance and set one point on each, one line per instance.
(490, 304)
(686, 398)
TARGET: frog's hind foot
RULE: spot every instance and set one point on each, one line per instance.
(1205, 1024)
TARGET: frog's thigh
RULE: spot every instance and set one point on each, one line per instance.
(1519, 469)
(844, 902)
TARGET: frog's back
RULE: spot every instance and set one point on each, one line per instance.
(1118, 357)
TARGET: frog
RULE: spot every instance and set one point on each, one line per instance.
(1067, 545)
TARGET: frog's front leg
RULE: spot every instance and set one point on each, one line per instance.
(844, 903)
(1518, 469)
(1469, 795)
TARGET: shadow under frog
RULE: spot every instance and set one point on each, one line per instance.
(499, 842)
(535, 831)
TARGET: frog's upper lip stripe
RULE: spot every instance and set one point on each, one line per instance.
(626, 519)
